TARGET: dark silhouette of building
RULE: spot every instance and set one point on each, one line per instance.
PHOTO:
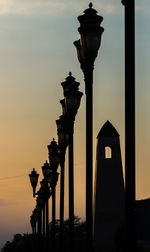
(142, 220)
(142, 217)
(109, 196)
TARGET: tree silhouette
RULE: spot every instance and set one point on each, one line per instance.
(27, 242)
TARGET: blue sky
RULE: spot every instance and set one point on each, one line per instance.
(36, 55)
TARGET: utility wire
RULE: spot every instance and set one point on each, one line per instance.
(12, 177)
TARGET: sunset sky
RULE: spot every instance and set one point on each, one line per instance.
(36, 55)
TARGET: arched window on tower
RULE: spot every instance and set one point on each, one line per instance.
(108, 152)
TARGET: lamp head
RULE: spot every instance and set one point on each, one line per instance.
(72, 102)
(69, 84)
(62, 132)
(90, 35)
(33, 179)
(53, 151)
(45, 169)
(72, 97)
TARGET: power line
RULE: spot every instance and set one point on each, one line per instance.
(12, 177)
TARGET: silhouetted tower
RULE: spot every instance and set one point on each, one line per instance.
(109, 192)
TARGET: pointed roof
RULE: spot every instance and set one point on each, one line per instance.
(107, 130)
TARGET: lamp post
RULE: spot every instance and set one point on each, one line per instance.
(38, 220)
(70, 105)
(34, 220)
(40, 203)
(42, 200)
(34, 180)
(130, 121)
(63, 141)
(87, 50)
(54, 160)
(33, 176)
(46, 172)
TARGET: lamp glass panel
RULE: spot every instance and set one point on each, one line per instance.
(59, 126)
(63, 138)
(72, 103)
(80, 54)
(54, 160)
(34, 180)
(91, 41)
(45, 171)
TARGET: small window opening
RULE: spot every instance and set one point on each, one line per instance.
(108, 152)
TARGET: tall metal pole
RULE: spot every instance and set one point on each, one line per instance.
(53, 205)
(88, 73)
(35, 229)
(39, 228)
(62, 165)
(33, 233)
(47, 223)
(40, 224)
(71, 185)
(54, 160)
(87, 50)
(130, 121)
(44, 221)
(53, 216)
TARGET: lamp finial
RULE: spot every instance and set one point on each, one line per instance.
(90, 5)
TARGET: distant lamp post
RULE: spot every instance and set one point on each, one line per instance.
(45, 184)
(54, 160)
(33, 224)
(70, 105)
(63, 141)
(34, 219)
(36, 213)
(87, 50)
(40, 203)
(34, 180)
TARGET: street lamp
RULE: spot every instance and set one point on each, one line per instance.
(72, 96)
(130, 122)
(70, 105)
(87, 50)
(37, 214)
(63, 141)
(34, 218)
(53, 151)
(54, 160)
(33, 179)
(45, 184)
(42, 199)
(90, 36)
(40, 203)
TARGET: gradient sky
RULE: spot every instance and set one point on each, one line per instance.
(36, 55)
